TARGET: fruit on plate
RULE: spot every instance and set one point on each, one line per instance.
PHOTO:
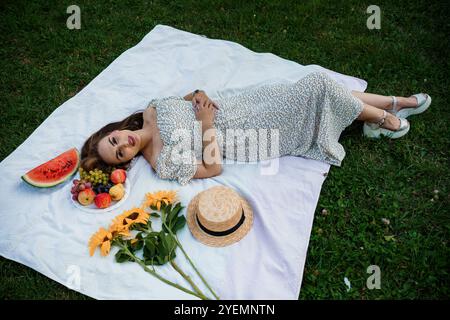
(54, 171)
(102, 200)
(86, 196)
(117, 192)
(95, 176)
(118, 176)
(102, 188)
(79, 185)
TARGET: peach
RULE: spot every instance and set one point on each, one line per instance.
(102, 200)
(117, 192)
(118, 176)
(86, 196)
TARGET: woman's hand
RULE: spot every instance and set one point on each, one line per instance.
(205, 113)
(201, 99)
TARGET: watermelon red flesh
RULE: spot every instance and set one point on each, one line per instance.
(54, 171)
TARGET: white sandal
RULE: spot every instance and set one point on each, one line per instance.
(423, 102)
(374, 130)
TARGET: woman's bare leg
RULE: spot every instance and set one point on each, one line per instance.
(385, 102)
(373, 114)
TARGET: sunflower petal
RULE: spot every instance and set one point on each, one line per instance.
(104, 249)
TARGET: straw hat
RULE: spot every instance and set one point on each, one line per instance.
(219, 216)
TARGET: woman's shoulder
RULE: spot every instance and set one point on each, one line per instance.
(152, 157)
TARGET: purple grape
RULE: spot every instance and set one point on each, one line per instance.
(88, 185)
(73, 190)
(75, 196)
(76, 181)
(81, 186)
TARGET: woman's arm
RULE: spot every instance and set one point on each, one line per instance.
(190, 96)
(200, 98)
(211, 164)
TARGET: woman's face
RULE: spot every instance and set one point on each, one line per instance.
(119, 146)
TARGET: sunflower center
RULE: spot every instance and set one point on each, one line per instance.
(133, 216)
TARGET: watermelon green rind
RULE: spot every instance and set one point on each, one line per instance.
(33, 181)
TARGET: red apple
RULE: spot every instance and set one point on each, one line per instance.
(118, 176)
(86, 197)
(102, 200)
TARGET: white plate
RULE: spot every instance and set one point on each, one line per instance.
(92, 208)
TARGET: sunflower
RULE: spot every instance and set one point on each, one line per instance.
(130, 217)
(102, 238)
(157, 198)
(119, 230)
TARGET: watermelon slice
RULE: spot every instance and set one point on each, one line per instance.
(55, 171)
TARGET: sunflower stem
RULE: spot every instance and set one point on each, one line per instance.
(187, 256)
(186, 277)
(155, 274)
(195, 268)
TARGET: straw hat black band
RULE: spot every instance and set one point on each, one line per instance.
(222, 233)
(219, 202)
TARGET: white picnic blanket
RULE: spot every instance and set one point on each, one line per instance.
(42, 229)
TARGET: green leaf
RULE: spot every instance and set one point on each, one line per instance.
(136, 226)
(174, 212)
(161, 260)
(154, 214)
(162, 245)
(137, 245)
(171, 218)
(389, 238)
(167, 209)
(150, 247)
(179, 224)
(171, 244)
(152, 262)
(121, 256)
(153, 234)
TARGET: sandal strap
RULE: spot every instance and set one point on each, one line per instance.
(380, 123)
(420, 97)
(394, 104)
(403, 124)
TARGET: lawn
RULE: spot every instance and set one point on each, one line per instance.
(388, 203)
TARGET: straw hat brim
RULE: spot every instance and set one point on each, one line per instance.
(218, 241)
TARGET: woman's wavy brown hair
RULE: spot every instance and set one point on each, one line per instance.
(90, 157)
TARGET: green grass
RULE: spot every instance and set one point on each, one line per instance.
(43, 64)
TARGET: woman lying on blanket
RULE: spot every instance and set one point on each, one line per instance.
(306, 118)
